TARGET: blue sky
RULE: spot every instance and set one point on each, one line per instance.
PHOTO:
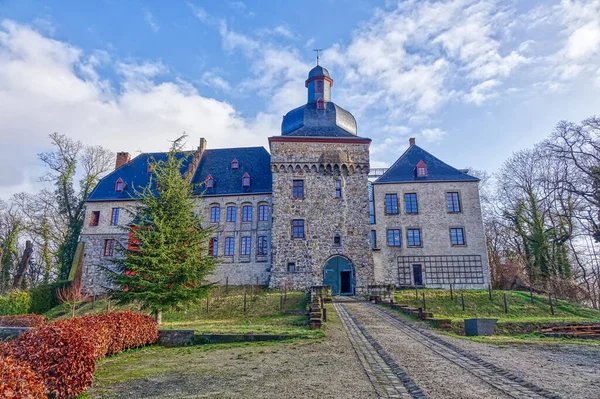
(472, 80)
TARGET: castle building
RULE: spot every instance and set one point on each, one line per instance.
(305, 213)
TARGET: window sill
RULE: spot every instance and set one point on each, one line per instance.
(454, 212)
(414, 246)
(458, 245)
(376, 249)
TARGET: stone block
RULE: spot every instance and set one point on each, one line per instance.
(10, 333)
(475, 327)
(176, 337)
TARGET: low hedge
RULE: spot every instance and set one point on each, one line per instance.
(17, 381)
(24, 320)
(15, 302)
(64, 353)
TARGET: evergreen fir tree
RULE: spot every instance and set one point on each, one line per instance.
(167, 258)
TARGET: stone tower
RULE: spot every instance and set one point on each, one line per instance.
(321, 230)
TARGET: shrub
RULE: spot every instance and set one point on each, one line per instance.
(44, 297)
(130, 330)
(15, 302)
(60, 354)
(26, 320)
(17, 380)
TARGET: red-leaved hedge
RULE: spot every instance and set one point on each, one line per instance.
(18, 381)
(22, 320)
(64, 353)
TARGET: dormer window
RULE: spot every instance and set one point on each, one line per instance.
(210, 182)
(421, 169)
(320, 104)
(119, 185)
(235, 164)
(246, 180)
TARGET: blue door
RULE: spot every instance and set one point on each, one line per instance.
(339, 275)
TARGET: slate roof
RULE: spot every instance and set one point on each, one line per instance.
(318, 71)
(306, 120)
(255, 161)
(135, 176)
(404, 169)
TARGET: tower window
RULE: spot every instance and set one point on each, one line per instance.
(95, 218)
(246, 180)
(235, 164)
(319, 86)
(109, 247)
(298, 189)
(119, 185)
(291, 267)
(320, 104)
(298, 228)
(337, 240)
(338, 188)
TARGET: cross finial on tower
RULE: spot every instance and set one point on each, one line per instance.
(318, 50)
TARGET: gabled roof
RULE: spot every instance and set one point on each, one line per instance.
(135, 176)
(404, 169)
(255, 161)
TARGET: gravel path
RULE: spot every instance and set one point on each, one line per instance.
(325, 369)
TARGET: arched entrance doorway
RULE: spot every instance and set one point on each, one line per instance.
(338, 273)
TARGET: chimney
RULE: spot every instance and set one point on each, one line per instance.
(193, 165)
(411, 141)
(122, 159)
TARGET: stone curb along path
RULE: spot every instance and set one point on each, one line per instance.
(386, 376)
(497, 377)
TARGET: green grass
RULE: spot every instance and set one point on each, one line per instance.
(478, 304)
(225, 313)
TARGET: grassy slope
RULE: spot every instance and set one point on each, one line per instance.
(226, 313)
(478, 304)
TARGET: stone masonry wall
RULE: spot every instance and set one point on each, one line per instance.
(435, 223)
(320, 165)
(239, 269)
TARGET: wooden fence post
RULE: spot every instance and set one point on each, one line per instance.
(226, 285)
(462, 299)
(451, 294)
(207, 304)
(424, 303)
(416, 293)
(244, 300)
(531, 293)
(551, 304)
(505, 304)
(490, 290)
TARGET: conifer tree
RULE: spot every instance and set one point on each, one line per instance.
(167, 259)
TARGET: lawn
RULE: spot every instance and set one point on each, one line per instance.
(226, 313)
(478, 304)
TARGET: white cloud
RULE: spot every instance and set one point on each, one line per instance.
(149, 18)
(482, 92)
(42, 90)
(433, 135)
(280, 31)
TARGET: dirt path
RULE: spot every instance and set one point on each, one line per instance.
(444, 369)
(325, 369)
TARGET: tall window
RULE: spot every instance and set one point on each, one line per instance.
(262, 246)
(229, 246)
(213, 246)
(231, 213)
(263, 213)
(298, 228)
(109, 247)
(391, 204)
(453, 202)
(394, 238)
(373, 239)
(245, 249)
(114, 217)
(298, 189)
(457, 236)
(95, 218)
(413, 237)
(215, 214)
(338, 188)
(371, 205)
(247, 213)
(410, 201)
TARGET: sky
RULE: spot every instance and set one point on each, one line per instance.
(471, 80)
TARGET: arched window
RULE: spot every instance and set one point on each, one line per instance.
(246, 180)
(337, 240)
(235, 164)
(119, 185)
(210, 182)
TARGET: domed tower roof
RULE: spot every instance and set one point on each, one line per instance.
(319, 116)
